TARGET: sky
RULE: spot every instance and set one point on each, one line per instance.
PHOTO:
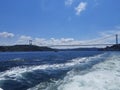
(48, 22)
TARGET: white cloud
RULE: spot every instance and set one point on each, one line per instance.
(6, 35)
(23, 39)
(40, 41)
(81, 7)
(53, 41)
(62, 41)
(69, 2)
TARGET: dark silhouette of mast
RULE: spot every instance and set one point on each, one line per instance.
(30, 42)
(116, 38)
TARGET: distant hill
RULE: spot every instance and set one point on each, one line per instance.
(115, 47)
(20, 48)
(24, 48)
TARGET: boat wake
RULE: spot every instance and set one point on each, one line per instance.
(101, 76)
(99, 72)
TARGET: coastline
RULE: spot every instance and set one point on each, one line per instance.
(29, 48)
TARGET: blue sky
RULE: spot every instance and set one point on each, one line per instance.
(57, 21)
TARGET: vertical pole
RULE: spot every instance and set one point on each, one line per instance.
(30, 42)
(116, 38)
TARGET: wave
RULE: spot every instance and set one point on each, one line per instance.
(17, 71)
(19, 75)
(1, 89)
(81, 66)
(101, 76)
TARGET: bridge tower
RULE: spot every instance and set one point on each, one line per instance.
(116, 38)
(30, 42)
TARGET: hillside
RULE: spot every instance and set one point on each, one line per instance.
(24, 48)
(115, 47)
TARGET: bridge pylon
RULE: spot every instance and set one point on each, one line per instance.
(116, 38)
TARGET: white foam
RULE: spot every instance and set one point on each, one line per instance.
(70, 82)
(1, 89)
(18, 71)
(103, 76)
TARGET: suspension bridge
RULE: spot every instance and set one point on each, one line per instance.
(114, 39)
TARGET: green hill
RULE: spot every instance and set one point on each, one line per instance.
(24, 48)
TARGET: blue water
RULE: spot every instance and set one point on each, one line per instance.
(69, 70)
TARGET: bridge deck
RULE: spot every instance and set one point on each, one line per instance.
(82, 45)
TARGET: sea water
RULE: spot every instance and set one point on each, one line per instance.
(64, 70)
